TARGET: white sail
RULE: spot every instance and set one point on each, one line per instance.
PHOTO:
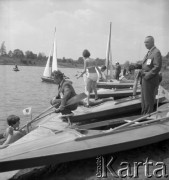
(109, 64)
(54, 60)
(47, 71)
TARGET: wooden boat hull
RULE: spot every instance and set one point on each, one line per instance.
(115, 93)
(110, 85)
(48, 79)
(109, 109)
(51, 149)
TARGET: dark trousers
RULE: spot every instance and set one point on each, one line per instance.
(148, 94)
(67, 109)
(117, 74)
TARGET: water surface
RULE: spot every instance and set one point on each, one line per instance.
(22, 89)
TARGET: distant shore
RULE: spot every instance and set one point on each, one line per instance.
(39, 63)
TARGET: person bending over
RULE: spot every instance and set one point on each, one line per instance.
(65, 92)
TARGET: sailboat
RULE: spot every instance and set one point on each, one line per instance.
(112, 83)
(47, 74)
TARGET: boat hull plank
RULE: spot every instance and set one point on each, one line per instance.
(120, 93)
(110, 85)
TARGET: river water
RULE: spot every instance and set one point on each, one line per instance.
(22, 89)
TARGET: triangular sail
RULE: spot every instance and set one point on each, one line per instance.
(54, 61)
(109, 55)
(47, 71)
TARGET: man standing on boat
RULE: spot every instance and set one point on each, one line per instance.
(150, 78)
(117, 70)
(65, 92)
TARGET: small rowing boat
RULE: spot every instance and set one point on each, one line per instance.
(15, 69)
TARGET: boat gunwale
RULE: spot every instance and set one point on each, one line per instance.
(129, 128)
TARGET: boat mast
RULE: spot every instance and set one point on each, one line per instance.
(54, 60)
(109, 55)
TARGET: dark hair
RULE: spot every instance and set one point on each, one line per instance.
(57, 74)
(138, 66)
(131, 67)
(12, 119)
(103, 67)
(86, 53)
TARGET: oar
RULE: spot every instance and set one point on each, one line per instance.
(45, 111)
(139, 119)
(73, 100)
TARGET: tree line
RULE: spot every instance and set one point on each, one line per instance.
(32, 58)
(29, 57)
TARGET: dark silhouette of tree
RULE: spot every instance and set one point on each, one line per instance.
(41, 56)
(17, 53)
(10, 53)
(80, 60)
(30, 55)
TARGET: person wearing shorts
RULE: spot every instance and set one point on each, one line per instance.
(90, 67)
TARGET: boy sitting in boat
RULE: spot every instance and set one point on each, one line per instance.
(65, 92)
(12, 133)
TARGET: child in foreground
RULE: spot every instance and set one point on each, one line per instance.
(12, 133)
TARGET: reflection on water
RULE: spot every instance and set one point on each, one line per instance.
(25, 89)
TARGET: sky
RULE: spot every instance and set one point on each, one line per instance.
(84, 24)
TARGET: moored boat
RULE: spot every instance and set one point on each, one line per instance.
(115, 93)
(53, 141)
(110, 109)
(111, 82)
